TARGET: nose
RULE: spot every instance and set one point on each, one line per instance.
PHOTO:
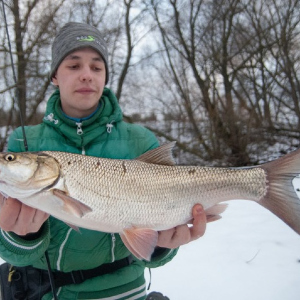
(86, 75)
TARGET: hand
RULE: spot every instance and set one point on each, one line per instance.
(180, 235)
(19, 218)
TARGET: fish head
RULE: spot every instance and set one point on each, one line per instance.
(24, 174)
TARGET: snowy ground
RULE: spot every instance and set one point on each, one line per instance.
(248, 254)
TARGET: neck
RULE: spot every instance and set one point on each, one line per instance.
(79, 120)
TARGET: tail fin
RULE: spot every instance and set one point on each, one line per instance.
(281, 197)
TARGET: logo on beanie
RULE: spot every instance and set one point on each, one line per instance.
(88, 38)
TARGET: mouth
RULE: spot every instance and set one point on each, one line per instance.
(85, 91)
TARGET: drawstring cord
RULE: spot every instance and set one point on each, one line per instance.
(109, 126)
(50, 118)
(149, 285)
(113, 241)
(51, 278)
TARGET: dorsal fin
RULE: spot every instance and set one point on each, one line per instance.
(160, 156)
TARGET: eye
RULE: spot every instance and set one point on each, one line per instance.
(97, 69)
(73, 67)
(9, 157)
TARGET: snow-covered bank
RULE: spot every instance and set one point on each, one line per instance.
(249, 254)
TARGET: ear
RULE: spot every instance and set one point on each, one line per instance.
(54, 80)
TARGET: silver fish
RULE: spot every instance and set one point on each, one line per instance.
(137, 198)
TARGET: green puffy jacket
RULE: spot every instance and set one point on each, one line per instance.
(104, 135)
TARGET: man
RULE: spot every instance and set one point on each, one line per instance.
(83, 116)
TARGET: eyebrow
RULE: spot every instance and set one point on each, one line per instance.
(76, 57)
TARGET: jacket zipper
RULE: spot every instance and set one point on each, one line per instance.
(79, 128)
(80, 132)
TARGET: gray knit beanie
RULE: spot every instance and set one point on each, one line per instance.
(74, 36)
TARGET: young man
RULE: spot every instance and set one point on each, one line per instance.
(83, 116)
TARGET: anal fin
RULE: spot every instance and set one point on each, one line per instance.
(140, 241)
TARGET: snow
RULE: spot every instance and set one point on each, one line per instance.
(248, 254)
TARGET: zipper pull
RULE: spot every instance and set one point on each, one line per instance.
(79, 128)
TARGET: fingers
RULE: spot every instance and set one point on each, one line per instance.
(199, 223)
(183, 234)
(40, 217)
(9, 213)
(20, 218)
(30, 219)
(165, 238)
(169, 238)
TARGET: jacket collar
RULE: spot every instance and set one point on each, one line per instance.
(82, 133)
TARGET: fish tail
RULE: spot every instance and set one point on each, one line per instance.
(281, 197)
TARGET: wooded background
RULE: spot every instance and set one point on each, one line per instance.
(221, 78)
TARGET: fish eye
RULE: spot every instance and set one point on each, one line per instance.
(9, 157)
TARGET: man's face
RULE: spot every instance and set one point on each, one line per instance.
(81, 80)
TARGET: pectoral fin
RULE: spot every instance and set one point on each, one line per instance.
(71, 205)
(140, 241)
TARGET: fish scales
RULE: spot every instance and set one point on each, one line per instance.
(146, 194)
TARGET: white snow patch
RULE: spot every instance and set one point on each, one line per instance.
(248, 254)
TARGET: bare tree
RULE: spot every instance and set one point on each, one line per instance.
(32, 25)
(228, 63)
(219, 77)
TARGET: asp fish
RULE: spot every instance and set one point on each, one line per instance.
(137, 198)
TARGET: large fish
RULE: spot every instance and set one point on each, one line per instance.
(137, 198)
